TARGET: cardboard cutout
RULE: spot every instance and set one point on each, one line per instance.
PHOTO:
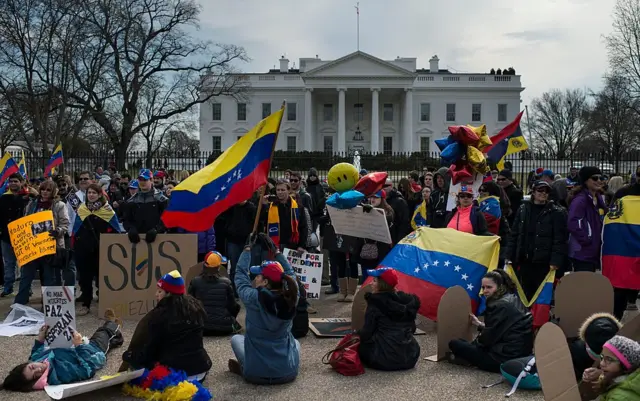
(359, 307)
(631, 329)
(580, 295)
(554, 364)
(453, 320)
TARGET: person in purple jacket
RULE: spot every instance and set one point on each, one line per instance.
(206, 241)
(586, 212)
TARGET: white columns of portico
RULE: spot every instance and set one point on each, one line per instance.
(375, 120)
(308, 120)
(408, 120)
(342, 134)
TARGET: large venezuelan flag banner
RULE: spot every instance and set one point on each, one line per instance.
(540, 303)
(621, 243)
(429, 260)
(232, 178)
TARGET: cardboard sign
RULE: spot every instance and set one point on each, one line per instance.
(357, 223)
(59, 315)
(62, 391)
(453, 320)
(453, 190)
(30, 237)
(308, 268)
(359, 307)
(580, 295)
(129, 272)
(555, 367)
(330, 327)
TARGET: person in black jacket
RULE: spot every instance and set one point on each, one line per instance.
(401, 226)
(318, 196)
(143, 210)
(284, 220)
(174, 333)
(505, 180)
(538, 239)
(217, 297)
(386, 339)
(437, 208)
(507, 331)
(300, 324)
(238, 222)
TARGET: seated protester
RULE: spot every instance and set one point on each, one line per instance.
(386, 339)
(175, 332)
(267, 353)
(507, 331)
(300, 326)
(618, 377)
(217, 297)
(53, 366)
(466, 216)
(594, 332)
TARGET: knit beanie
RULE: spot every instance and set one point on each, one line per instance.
(312, 171)
(597, 329)
(172, 282)
(506, 174)
(587, 172)
(626, 350)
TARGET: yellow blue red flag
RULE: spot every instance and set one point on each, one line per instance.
(508, 141)
(621, 243)
(540, 303)
(22, 166)
(8, 166)
(56, 159)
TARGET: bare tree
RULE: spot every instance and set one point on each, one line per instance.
(186, 144)
(558, 121)
(623, 45)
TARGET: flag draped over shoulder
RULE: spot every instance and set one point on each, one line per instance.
(105, 213)
(540, 303)
(621, 243)
(8, 166)
(429, 260)
(231, 179)
(55, 160)
(490, 207)
(508, 141)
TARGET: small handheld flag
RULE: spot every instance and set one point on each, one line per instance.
(55, 160)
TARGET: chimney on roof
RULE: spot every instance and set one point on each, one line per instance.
(284, 64)
(433, 64)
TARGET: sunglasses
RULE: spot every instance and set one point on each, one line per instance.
(542, 191)
(465, 196)
(501, 179)
(596, 178)
(84, 179)
(294, 180)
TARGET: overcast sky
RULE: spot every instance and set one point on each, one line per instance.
(551, 43)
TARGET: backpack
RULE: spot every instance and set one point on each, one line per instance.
(521, 373)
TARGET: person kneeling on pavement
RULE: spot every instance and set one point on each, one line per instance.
(217, 297)
(53, 366)
(386, 339)
(507, 331)
(267, 353)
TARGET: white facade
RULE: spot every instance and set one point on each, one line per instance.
(360, 102)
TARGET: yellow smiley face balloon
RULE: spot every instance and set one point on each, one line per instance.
(342, 177)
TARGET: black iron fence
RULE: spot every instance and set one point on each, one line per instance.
(397, 164)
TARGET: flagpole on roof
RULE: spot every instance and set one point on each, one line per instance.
(264, 187)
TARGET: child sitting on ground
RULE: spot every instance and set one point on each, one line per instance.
(65, 365)
(216, 294)
(618, 377)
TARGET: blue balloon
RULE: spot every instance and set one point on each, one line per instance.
(451, 153)
(346, 200)
(444, 142)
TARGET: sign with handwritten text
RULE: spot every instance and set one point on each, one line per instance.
(30, 237)
(59, 315)
(357, 223)
(308, 268)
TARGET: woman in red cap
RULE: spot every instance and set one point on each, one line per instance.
(467, 217)
(386, 339)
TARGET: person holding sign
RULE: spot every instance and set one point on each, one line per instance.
(267, 353)
(65, 365)
(142, 211)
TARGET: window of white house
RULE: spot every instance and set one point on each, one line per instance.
(266, 110)
(242, 112)
(358, 112)
(387, 112)
(327, 112)
(292, 112)
(292, 143)
(425, 143)
(451, 112)
(387, 145)
(502, 112)
(425, 111)
(216, 144)
(217, 111)
(476, 112)
(328, 144)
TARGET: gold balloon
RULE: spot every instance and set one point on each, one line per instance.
(484, 140)
(476, 160)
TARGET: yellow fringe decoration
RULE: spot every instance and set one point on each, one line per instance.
(184, 391)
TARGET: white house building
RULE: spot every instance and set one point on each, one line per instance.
(360, 102)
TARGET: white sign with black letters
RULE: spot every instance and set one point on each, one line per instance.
(308, 268)
(59, 315)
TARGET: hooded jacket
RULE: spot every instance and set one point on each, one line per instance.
(69, 365)
(386, 339)
(318, 196)
(594, 332)
(437, 210)
(585, 227)
(624, 388)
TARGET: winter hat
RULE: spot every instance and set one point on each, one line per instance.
(547, 173)
(214, 259)
(134, 184)
(626, 350)
(386, 274)
(145, 174)
(158, 174)
(172, 282)
(312, 172)
(597, 329)
(364, 172)
(380, 194)
(587, 172)
(270, 269)
(506, 174)
(465, 189)
(541, 184)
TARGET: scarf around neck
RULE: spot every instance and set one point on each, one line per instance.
(273, 223)
(103, 212)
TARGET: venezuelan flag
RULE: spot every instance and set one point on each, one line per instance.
(429, 260)
(508, 141)
(621, 243)
(232, 178)
(22, 166)
(8, 166)
(490, 207)
(55, 160)
(540, 303)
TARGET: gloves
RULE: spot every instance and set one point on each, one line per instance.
(151, 236)
(267, 243)
(55, 234)
(133, 235)
(367, 208)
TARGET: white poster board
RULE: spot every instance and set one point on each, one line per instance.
(22, 321)
(357, 223)
(62, 391)
(453, 190)
(59, 315)
(308, 267)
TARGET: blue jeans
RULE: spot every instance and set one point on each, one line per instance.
(29, 272)
(237, 345)
(9, 260)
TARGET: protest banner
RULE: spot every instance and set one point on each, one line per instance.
(30, 237)
(62, 391)
(476, 181)
(129, 272)
(59, 315)
(357, 223)
(308, 267)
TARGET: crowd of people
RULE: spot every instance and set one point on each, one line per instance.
(547, 223)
